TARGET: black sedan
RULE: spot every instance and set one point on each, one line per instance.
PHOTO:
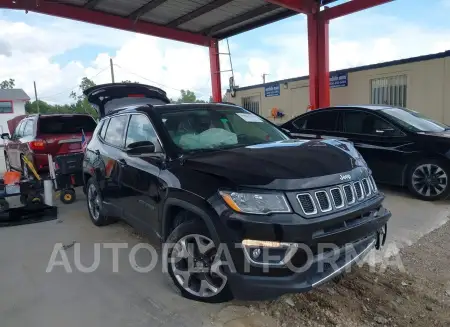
(401, 146)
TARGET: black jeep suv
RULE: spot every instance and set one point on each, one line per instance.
(242, 209)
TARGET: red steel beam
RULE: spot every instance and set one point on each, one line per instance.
(215, 70)
(350, 8)
(104, 19)
(318, 52)
(301, 6)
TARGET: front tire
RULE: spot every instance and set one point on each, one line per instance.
(95, 204)
(193, 265)
(428, 180)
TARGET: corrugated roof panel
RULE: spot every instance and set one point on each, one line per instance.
(120, 7)
(253, 20)
(172, 9)
(221, 14)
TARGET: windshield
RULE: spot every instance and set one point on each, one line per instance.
(413, 121)
(214, 129)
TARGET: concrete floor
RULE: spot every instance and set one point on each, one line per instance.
(32, 297)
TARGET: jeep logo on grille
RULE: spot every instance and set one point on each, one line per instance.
(345, 177)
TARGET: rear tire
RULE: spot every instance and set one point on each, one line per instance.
(210, 286)
(428, 180)
(95, 204)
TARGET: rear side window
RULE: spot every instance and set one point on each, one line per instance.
(66, 124)
(319, 121)
(28, 129)
(116, 130)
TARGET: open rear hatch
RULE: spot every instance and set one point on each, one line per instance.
(108, 97)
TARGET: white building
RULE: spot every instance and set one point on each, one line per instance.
(12, 104)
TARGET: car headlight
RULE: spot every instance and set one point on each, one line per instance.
(256, 203)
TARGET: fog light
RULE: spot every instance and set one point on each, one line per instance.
(256, 253)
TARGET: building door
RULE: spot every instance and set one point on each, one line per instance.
(299, 101)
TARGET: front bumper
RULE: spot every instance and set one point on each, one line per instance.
(245, 287)
(353, 233)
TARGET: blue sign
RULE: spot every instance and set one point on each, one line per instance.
(272, 90)
(338, 80)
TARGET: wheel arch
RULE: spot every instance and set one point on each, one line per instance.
(173, 206)
(406, 170)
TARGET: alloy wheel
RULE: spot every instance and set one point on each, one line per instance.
(429, 180)
(94, 202)
(195, 267)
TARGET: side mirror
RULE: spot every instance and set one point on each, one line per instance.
(140, 148)
(5, 136)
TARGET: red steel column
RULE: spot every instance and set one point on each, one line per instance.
(215, 70)
(318, 51)
(323, 64)
(313, 55)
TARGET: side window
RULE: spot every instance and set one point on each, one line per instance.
(360, 122)
(319, 121)
(28, 129)
(116, 130)
(140, 129)
(102, 132)
(19, 130)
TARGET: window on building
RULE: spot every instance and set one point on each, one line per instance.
(251, 104)
(6, 107)
(389, 91)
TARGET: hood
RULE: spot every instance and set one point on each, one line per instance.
(12, 123)
(108, 97)
(277, 165)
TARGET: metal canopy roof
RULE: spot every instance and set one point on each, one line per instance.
(216, 19)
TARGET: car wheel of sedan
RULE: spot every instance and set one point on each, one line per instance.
(95, 203)
(194, 266)
(429, 180)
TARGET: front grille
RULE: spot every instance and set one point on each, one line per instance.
(323, 200)
(358, 190)
(366, 186)
(349, 194)
(336, 195)
(307, 203)
(373, 185)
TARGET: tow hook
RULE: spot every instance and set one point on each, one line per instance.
(381, 237)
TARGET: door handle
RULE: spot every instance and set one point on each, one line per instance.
(122, 162)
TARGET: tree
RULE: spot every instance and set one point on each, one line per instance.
(82, 105)
(187, 96)
(8, 84)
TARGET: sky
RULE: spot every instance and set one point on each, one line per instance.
(57, 53)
